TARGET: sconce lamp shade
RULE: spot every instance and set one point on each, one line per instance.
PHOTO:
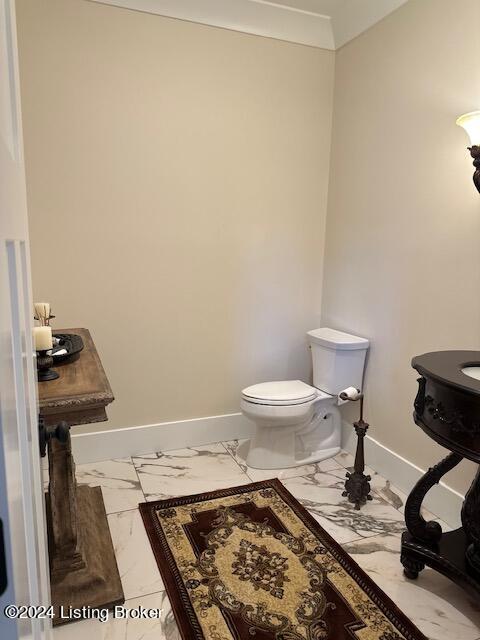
(471, 123)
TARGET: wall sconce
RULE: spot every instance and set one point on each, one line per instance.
(471, 123)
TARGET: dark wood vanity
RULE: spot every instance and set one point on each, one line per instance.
(447, 408)
(83, 569)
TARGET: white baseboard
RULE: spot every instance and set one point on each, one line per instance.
(130, 441)
(442, 500)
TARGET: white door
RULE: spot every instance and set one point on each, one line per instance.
(21, 496)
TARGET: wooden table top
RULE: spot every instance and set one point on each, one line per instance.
(81, 393)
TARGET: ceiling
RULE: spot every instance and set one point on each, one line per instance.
(327, 24)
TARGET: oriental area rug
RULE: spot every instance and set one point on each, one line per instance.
(251, 563)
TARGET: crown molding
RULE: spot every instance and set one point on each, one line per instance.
(257, 17)
(287, 20)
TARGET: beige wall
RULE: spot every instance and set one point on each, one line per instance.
(177, 182)
(402, 262)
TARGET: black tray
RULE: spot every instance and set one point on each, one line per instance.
(72, 342)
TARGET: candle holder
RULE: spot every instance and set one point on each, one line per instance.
(357, 484)
(44, 362)
(44, 322)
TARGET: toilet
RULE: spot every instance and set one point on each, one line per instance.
(296, 423)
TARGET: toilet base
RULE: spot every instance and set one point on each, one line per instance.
(282, 446)
(318, 456)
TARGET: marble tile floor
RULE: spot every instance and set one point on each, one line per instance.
(371, 536)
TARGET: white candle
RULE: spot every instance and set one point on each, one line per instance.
(43, 338)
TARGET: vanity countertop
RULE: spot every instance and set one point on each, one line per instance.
(446, 368)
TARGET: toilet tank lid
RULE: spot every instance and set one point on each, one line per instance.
(338, 340)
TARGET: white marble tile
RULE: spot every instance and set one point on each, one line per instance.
(136, 563)
(239, 450)
(169, 627)
(371, 535)
(164, 628)
(321, 494)
(378, 483)
(119, 482)
(345, 459)
(188, 471)
(397, 497)
(385, 489)
(439, 608)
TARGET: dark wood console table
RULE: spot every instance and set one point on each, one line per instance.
(447, 408)
(83, 569)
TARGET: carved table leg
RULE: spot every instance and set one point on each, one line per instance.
(419, 529)
(65, 545)
(83, 569)
(411, 566)
(471, 523)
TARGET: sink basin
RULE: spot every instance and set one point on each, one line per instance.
(473, 371)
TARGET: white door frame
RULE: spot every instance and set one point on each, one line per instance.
(22, 507)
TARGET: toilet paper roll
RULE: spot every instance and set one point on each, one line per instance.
(350, 393)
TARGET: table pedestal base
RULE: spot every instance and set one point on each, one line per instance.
(447, 409)
(95, 582)
(447, 557)
(454, 553)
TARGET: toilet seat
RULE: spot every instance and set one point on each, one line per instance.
(282, 393)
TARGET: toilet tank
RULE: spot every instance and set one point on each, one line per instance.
(338, 359)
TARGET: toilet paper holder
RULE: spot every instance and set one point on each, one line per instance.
(357, 483)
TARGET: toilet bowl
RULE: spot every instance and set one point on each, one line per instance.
(296, 423)
(301, 427)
